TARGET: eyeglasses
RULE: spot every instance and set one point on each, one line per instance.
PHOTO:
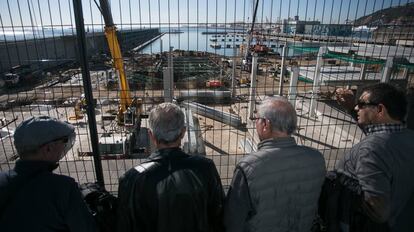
(362, 104)
(63, 139)
(67, 140)
(256, 118)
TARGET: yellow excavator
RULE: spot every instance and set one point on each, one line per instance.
(129, 109)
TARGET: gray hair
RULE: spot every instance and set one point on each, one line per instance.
(166, 122)
(280, 113)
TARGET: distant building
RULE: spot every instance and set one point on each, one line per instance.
(332, 30)
(310, 27)
(394, 33)
(30, 51)
(296, 26)
(363, 31)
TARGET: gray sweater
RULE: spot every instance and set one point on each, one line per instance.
(276, 188)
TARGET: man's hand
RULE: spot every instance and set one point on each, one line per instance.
(377, 208)
(345, 98)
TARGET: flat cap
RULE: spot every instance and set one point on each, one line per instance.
(40, 130)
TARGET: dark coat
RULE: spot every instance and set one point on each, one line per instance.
(171, 192)
(32, 198)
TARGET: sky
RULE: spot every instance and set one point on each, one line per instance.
(154, 13)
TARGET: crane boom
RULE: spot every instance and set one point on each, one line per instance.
(115, 49)
(250, 35)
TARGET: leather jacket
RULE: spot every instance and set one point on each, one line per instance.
(172, 191)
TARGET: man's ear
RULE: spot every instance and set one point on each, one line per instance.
(382, 109)
(152, 137)
(383, 112)
(48, 151)
(267, 126)
(183, 132)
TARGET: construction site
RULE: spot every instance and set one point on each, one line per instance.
(114, 83)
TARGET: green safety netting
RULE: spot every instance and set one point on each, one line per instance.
(357, 60)
(348, 58)
(409, 66)
(305, 79)
(305, 49)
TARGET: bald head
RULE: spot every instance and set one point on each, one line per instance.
(280, 113)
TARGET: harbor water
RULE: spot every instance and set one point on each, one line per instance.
(218, 41)
(196, 39)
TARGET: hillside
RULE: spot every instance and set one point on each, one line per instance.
(400, 15)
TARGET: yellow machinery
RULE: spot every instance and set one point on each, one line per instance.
(297, 38)
(78, 111)
(80, 106)
(128, 109)
(244, 80)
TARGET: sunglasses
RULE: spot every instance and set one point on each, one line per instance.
(362, 104)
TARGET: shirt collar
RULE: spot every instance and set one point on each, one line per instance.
(384, 128)
(32, 166)
(166, 152)
(276, 143)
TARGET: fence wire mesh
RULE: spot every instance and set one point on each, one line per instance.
(216, 59)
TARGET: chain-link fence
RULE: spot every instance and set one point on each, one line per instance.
(216, 59)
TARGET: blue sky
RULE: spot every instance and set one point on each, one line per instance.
(154, 12)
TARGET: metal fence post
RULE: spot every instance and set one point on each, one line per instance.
(253, 84)
(168, 78)
(294, 76)
(386, 73)
(363, 72)
(171, 63)
(168, 85)
(80, 32)
(282, 69)
(233, 74)
(316, 79)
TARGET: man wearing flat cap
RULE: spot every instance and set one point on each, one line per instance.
(32, 197)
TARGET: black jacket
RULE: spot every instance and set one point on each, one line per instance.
(32, 198)
(171, 192)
